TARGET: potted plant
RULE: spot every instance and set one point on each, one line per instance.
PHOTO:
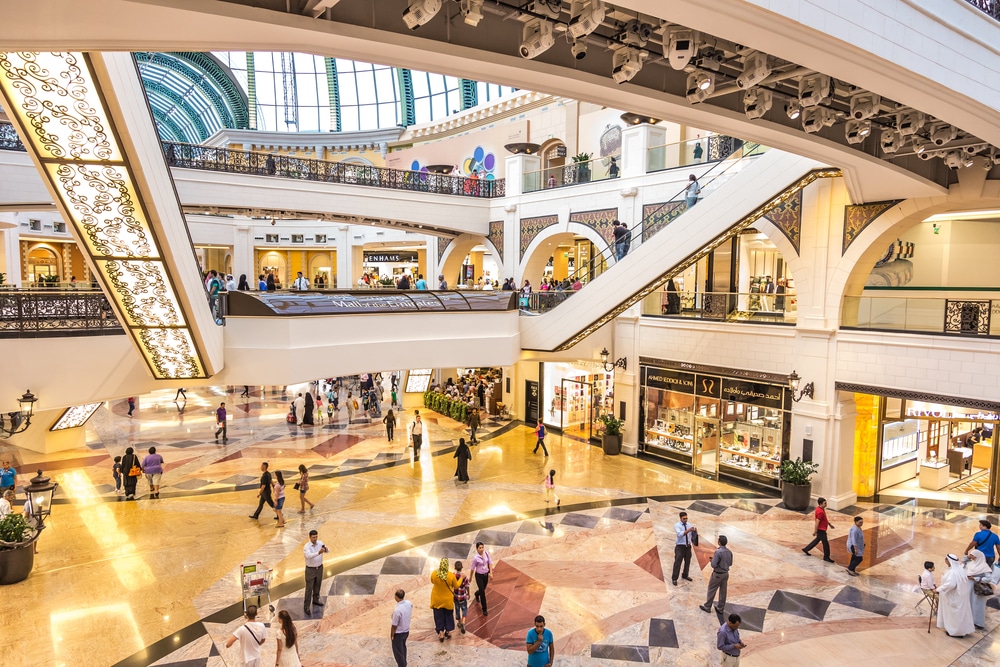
(582, 162)
(796, 483)
(611, 441)
(17, 549)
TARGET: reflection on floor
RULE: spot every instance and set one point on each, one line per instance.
(155, 582)
(972, 491)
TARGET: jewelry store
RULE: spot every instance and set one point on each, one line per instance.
(927, 449)
(726, 427)
(574, 396)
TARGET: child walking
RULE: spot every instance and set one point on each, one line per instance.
(540, 434)
(279, 497)
(461, 591)
(319, 408)
(550, 487)
(116, 472)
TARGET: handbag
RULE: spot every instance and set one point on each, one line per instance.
(983, 588)
(135, 471)
(296, 486)
(694, 538)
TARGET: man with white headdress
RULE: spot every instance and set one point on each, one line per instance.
(954, 609)
(977, 569)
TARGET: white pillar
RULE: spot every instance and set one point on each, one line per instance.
(345, 268)
(636, 141)
(243, 254)
(516, 166)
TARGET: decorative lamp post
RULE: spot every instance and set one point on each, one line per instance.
(39, 493)
(793, 384)
(18, 422)
(620, 363)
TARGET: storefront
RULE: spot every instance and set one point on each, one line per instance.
(928, 450)
(729, 428)
(392, 264)
(574, 396)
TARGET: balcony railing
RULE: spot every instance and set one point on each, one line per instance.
(576, 173)
(691, 153)
(190, 156)
(753, 307)
(56, 313)
(9, 141)
(934, 315)
(990, 7)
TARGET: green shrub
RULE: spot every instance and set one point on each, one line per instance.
(14, 528)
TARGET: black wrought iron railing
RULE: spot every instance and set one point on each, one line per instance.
(9, 141)
(990, 7)
(50, 313)
(190, 156)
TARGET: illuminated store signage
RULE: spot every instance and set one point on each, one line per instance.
(943, 412)
(713, 386)
(390, 258)
(664, 379)
(756, 393)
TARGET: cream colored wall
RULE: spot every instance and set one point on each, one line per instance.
(961, 254)
(454, 150)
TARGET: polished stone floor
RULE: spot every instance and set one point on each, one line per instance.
(156, 581)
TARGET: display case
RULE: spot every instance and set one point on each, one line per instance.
(669, 428)
(751, 441)
(900, 442)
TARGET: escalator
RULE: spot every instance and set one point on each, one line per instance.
(735, 193)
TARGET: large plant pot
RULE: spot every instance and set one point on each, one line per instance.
(16, 564)
(612, 444)
(796, 496)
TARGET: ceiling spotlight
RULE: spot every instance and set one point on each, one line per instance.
(942, 133)
(536, 38)
(814, 90)
(699, 86)
(815, 119)
(585, 16)
(910, 122)
(864, 105)
(995, 155)
(953, 159)
(680, 44)
(793, 109)
(968, 161)
(550, 8)
(890, 141)
(420, 12)
(755, 70)
(579, 49)
(626, 63)
(636, 33)
(757, 102)
(472, 11)
(920, 146)
(857, 130)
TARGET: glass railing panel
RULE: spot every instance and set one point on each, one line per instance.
(937, 315)
(753, 307)
(576, 173)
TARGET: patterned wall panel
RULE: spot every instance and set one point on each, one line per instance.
(530, 228)
(856, 218)
(442, 247)
(601, 221)
(496, 237)
(657, 216)
(787, 216)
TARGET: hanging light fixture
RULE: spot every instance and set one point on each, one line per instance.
(18, 422)
(609, 368)
(793, 385)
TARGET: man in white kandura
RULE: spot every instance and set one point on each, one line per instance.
(954, 610)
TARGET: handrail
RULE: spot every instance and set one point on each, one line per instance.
(575, 173)
(754, 307)
(717, 147)
(50, 313)
(9, 141)
(988, 7)
(598, 264)
(210, 158)
(922, 314)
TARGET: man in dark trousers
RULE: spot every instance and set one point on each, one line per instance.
(265, 491)
(619, 234)
(686, 535)
(220, 421)
(820, 526)
(313, 552)
(400, 629)
(722, 560)
(474, 422)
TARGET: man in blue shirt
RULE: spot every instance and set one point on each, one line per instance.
(682, 548)
(985, 540)
(540, 645)
(856, 545)
(8, 477)
(421, 283)
(727, 640)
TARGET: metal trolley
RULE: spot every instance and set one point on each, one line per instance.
(255, 580)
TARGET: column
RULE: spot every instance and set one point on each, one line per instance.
(345, 278)
(243, 254)
(636, 142)
(516, 166)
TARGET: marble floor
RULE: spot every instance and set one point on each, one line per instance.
(156, 581)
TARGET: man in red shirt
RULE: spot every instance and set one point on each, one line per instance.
(820, 526)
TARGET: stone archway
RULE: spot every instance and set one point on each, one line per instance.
(454, 256)
(537, 254)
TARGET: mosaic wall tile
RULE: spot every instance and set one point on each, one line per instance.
(601, 221)
(787, 216)
(496, 237)
(532, 227)
(856, 218)
(442, 247)
(657, 216)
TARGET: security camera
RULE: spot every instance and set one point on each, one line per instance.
(910, 122)
(579, 49)
(420, 12)
(942, 133)
(536, 38)
(681, 45)
(920, 146)
(814, 90)
(755, 70)
(757, 102)
(864, 105)
(890, 141)
(636, 33)
(585, 16)
(626, 63)
(472, 11)
(954, 159)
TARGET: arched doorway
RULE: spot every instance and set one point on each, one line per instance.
(43, 262)
(554, 156)
(322, 265)
(275, 262)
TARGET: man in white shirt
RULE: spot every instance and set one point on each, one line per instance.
(686, 534)
(313, 552)
(5, 503)
(300, 408)
(301, 282)
(251, 635)
(400, 629)
(230, 283)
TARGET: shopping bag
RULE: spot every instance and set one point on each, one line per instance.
(995, 579)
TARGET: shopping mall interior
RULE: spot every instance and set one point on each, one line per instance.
(745, 234)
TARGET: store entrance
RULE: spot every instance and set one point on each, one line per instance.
(576, 417)
(706, 446)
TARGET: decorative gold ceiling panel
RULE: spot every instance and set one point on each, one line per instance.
(57, 103)
(75, 416)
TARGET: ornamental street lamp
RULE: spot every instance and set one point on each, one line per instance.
(17, 422)
(793, 384)
(608, 368)
(39, 494)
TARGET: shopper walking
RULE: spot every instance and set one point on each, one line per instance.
(692, 191)
(251, 636)
(400, 629)
(986, 541)
(264, 494)
(288, 642)
(308, 409)
(464, 455)
(443, 600)
(687, 535)
(856, 545)
(482, 568)
(727, 640)
(352, 406)
(279, 497)
(722, 560)
(474, 422)
(416, 434)
(540, 435)
(220, 421)
(461, 596)
(820, 525)
(303, 485)
(954, 609)
(390, 424)
(152, 465)
(130, 464)
(313, 552)
(131, 405)
(550, 487)
(540, 645)
(180, 394)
